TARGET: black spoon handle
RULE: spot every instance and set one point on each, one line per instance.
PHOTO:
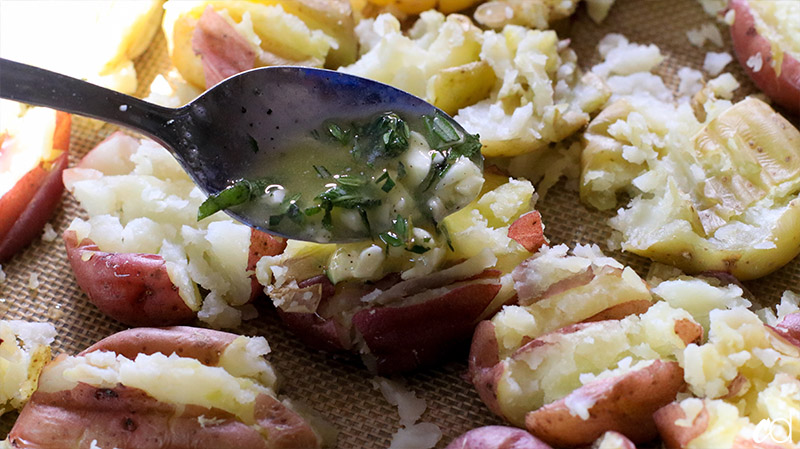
(40, 87)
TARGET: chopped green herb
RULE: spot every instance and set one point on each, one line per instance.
(401, 170)
(418, 249)
(240, 192)
(388, 185)
(384, 138)
(313, 210)
(442, 229)
(338, 133)
(322, 172)
(253, 143)
(350, 180)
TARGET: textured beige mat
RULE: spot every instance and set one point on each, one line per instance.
(338, 387)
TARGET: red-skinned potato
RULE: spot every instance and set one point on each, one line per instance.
(27, 205)
(624, 404)
(398, 309)
(497, 437)
(142, 257)
(404, 335)
(712, 423)
(135, 289)
(130, 410)
(768, 47)
(568, 387)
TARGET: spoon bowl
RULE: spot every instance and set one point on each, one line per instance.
(234, 130)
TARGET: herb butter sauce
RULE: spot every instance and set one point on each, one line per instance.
(376, 178)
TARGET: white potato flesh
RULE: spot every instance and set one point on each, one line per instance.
(741, 358)
(139, 200)
(562, 362)
(232, 386)
(591, 283)
(24, 350)
(713, 186)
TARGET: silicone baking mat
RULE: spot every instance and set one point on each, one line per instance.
(338, 387)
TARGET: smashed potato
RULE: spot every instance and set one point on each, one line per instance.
(165, 388)
(397, 308)
(24, 351)
(210, 40)
(142, 256)
(541, 96)
(116, 31)
(714, 186)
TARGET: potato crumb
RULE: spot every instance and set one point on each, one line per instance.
(716, 62)
(706, 32)
(412, 434)
(2, 275)
(33, 281)
(755, 62)
(49, 234)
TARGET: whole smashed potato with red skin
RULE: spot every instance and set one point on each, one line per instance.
(124, 416)
(135, 289)
(497, 437)
(142, 205)
(752, 39)
(26, 208)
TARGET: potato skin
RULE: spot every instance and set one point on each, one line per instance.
(400, 337)
(32, 201)
(624, 404)
(497, 437)
(677, 437)
(784, 89)
(404, 338)
(129, 418)
(133, 289)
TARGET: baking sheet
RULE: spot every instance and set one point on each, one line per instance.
(338, 387)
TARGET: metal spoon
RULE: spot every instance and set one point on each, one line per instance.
(213, 136)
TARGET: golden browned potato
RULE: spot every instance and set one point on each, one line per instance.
(163, 388)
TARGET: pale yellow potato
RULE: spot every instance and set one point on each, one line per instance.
(727, 201)
(297, 32)
(538, 14)
(552, 366)
(556, 289)
(24, 351)
(115, 31)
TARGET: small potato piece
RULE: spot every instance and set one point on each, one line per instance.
(497, 437)
(24, 351)
(766, 39)
(613, 440)
(125, 391)
(32, 157)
